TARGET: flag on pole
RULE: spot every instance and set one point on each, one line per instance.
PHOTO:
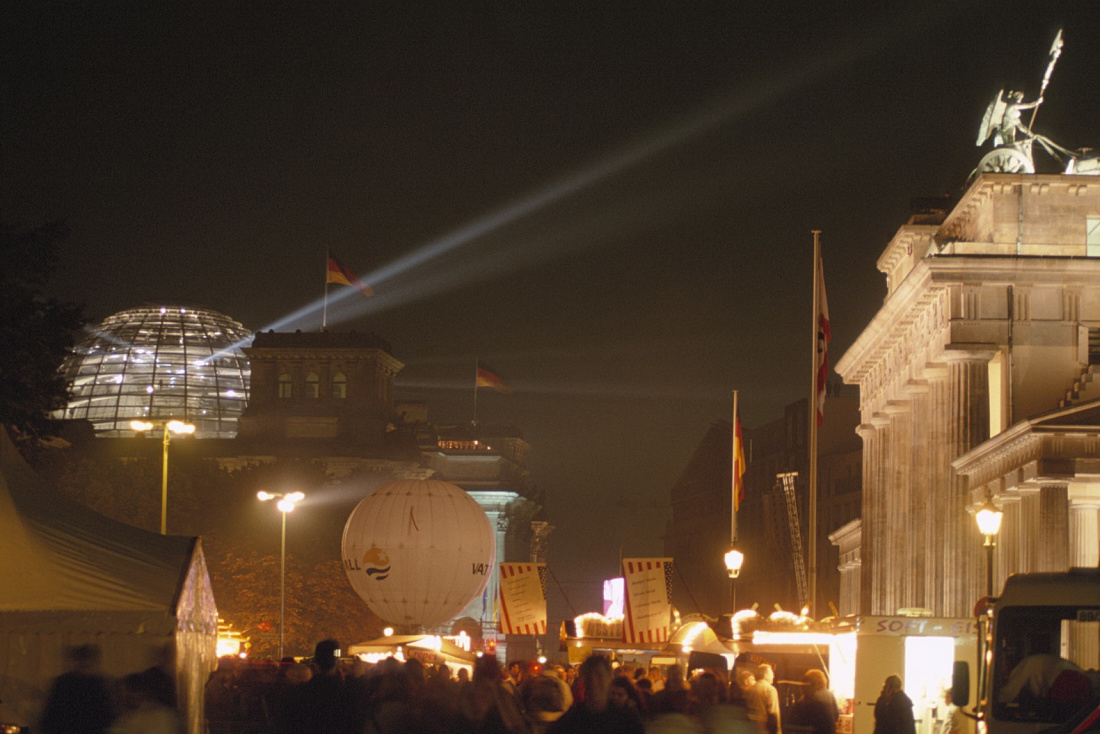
(488, 377)
(648, 603)
(340, 274)
(823, 339)
(739, 464)
(522, 599)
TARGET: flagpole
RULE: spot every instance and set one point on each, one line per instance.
(812, 521)
(733, 477)
(324, 310)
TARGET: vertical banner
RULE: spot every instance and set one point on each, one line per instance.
(648, 584)
(522, 599)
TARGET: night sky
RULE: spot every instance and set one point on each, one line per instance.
(610, 203)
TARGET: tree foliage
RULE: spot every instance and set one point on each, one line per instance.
(36, 332)
(240, 538)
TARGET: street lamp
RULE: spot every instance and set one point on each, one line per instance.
(170, 427)
(286, 504)
(734, 559)
(989, 523)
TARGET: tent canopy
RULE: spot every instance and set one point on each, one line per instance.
(72, 576)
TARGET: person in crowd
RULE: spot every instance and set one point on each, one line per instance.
(765, 699)
(224, 710)
(595, 714)
(162, 674)
(489, 706)
(817, 708)
(952, 722)
(544, 701)
(321, 705)
(894, 709)
(711, 709)
(79, 701)
(755, 698)
(144, 711)
(673, 698)
(656, 679)
(624, 695)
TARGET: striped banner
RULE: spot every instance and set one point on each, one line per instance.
(522, 599)
(648, 583)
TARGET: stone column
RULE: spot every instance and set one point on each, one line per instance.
(897, 589)
(871, 515)
(968, 426)
(1084, 531)
(1054, 527)
(939, 480)
(921, 520)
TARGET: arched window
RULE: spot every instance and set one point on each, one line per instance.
(339, 386)
(313, 385)
(285, 389)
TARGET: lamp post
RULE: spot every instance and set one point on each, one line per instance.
(286, 504)
(989, 523)
(170, 427)
(734, 559)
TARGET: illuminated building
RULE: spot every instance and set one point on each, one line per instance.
(160, 362)
(977, 382)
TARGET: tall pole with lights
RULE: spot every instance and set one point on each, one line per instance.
(170, 427)
(734, 558)
(989, 523)
(286, 504)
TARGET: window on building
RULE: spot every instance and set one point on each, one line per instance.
(285, 389)
(313, 385)
(339, 386)
(1092, 236)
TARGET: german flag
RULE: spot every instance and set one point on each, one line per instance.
(340, 274)
(488, 377)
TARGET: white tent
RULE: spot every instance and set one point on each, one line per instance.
(69, 576)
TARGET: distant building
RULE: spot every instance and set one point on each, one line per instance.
(976, 383)
(325, 397)
(773, 538)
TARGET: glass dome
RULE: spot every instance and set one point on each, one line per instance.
(160, 362)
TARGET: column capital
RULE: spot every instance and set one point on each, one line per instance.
(969, 353)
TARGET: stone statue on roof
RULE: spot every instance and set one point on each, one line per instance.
(1013, 139)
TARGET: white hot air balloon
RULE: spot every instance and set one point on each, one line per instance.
(418, 551)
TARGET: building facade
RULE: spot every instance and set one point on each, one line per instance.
(990, 310)
(774, 534)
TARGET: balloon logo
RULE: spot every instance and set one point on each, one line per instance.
(376, 563)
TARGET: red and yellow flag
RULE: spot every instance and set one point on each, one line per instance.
(341, 275)
(487, 377)
(738, 466)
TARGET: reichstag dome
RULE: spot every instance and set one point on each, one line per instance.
(157, 363)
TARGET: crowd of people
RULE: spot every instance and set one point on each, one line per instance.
(83, 701)
(332, 695)
(349, 696)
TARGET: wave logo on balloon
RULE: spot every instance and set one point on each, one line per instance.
(376, 562)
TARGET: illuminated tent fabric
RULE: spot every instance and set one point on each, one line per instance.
(71, 576)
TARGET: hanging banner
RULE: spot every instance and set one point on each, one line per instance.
(522, 599)
(648, 584)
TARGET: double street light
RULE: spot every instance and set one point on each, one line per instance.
(286, 504)
(170, 427)
(989, 523)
